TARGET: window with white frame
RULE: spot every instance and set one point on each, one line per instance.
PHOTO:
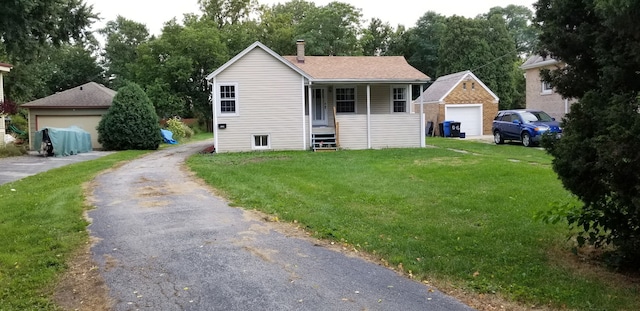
(547, 88)
(228, 98)
(261, 142)
(345, 99)
(399, 100)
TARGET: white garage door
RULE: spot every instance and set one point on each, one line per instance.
(87, 123)
(469, 116)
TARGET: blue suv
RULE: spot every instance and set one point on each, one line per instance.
(527, 126)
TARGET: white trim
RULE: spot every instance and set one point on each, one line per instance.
(423, 134)
(304, 130)
(407, 96)
(253, 142)
(544, 90)
(214, 94)
(246, 51)
(310, 117)
(355, 98)
(236, 99)
(446, 108)
(368, 116)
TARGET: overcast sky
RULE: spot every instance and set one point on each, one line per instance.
(154, 13)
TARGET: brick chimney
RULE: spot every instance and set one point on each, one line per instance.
(300, 47)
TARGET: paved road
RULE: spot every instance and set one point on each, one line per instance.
(15, 168)
(166, 242)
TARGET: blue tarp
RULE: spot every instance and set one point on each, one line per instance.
(168, 137)
(65, 141)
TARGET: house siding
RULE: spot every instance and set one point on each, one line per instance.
(395, 131)
(269, 103)
(353, 131)
(94, 114)
(551, 103)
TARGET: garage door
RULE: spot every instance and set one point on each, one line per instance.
(87, 123)
(470, 117)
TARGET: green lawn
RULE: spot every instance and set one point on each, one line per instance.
(461, 218)
(41, 226)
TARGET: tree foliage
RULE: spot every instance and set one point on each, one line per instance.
(598, 157)
(27, 25)
(518, 20)
(332, 29)
(483, 46)
(376, 38)
(131, 122)
(123, 36)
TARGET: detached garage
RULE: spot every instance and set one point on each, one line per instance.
(82, 106)
(463, 98)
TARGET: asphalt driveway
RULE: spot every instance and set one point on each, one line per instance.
(15, 168)
(167, 242)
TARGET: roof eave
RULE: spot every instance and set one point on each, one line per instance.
(64, 107)
(392, 81)
(545, 63)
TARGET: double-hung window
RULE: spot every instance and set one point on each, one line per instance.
(547, 88)
(228, 98)
(345, 99)
(399, 100)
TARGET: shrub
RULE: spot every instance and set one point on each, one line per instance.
(131, 122)
(11, 150)
(179, 129)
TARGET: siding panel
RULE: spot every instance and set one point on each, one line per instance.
(395, 131)
(270, 102)
(353, 131)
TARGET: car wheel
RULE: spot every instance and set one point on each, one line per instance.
(526, 139)
(497, 138)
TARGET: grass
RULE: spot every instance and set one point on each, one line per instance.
(11, 150)
(41, 225)
(459, 215)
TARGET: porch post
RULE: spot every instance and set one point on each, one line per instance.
(304, 130)
(368, 116)
(309, 95)
(423, 134)
(214, 101)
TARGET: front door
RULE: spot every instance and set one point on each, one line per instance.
(319, 106)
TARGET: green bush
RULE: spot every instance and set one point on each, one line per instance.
(11, 150)
(131, 122)
(179, 129)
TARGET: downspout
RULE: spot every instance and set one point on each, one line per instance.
(214, 97)
(309, 95)
(566, 106)
(368, 116)
(423, 133)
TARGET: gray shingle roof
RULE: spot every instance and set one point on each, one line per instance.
(535, 61)
(89, 95)
(359, 68)
(437, 92)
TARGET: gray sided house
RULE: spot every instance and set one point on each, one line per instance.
(82, 106)
(541, 95)
(262, 100)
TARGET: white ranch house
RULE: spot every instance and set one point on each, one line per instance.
(262, 100)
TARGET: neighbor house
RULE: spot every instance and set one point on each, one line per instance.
(262, 100)
(540, 95)
(82, 106)
(3, 68)
(463, 98)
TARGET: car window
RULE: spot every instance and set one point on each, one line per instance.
(535, 116)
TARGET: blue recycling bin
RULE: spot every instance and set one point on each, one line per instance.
(447, 128)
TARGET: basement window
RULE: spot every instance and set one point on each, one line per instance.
(260, 142)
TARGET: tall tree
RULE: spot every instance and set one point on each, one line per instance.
(376, 38)
(173, 67)
(123, 36)
(598, 157)
(519, 21)
(28, 24)
(332, 30)
(425, 39)
(227, 12)
(484, 47)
